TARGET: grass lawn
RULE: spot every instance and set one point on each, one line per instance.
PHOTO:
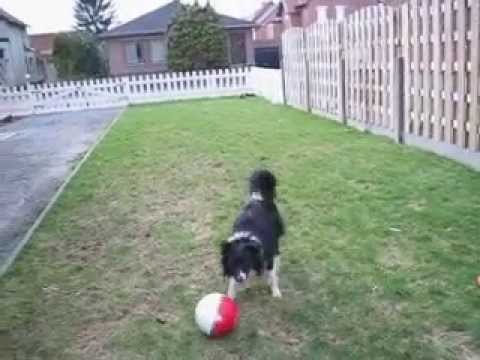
(379, 262)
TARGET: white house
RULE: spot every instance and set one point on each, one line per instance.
(17, 58)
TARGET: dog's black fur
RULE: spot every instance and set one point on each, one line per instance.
(262, 219)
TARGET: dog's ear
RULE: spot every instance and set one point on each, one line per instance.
(225, 252)
(257, 256)
(225, 248)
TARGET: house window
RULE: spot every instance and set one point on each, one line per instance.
(135, 53)
(30, 66)
(238, 53)
(159, 51)
(2, 54)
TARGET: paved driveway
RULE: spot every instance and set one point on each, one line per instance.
(36, 155)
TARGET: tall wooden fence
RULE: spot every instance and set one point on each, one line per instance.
(409, 72)
(295, 65)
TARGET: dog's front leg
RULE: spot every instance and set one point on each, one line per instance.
(273, 278)
(232, 288)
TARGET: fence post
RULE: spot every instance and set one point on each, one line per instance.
(342, 89)
(126, 88)
(341, 76)
(31, 98)
(398, 113)
(284, 81)
(307, 71)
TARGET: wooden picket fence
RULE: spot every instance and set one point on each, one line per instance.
(409, 72)
(137, 89)
(442, 51)
(323, 67)
(295, 72)
(369, 40)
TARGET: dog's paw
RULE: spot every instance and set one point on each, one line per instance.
(276, 293)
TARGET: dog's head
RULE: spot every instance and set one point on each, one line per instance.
(263, 182)
(241, 257)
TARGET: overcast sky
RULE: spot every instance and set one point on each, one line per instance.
(57, 15)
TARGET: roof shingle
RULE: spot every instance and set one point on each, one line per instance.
(158, 21)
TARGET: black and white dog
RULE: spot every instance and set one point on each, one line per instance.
(254, 244)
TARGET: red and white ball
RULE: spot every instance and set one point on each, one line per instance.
(217, 315)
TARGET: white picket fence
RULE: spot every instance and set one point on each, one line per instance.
(138, 89)
(267, 83)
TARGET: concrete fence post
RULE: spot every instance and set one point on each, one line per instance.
(398, 113)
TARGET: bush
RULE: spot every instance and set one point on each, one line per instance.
(197, 40)
(77, 55)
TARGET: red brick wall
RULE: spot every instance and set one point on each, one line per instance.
(117, 54)
(117, 57)
(269, 32)
(307, 14)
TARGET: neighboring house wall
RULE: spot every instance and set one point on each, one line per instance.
(270, 32)
(302, 13)
(46, 70)
(249, 47)
(43, 44)
(268, 35)
(143, 54)
(141, 45)
(137, 55)
(13, 41)
(49, 70)
(240, 47)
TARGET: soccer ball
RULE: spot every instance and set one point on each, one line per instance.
(217, 315)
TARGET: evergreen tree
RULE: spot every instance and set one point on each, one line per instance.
(196, 40)
(94, 16)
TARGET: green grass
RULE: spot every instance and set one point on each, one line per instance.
(379, 262)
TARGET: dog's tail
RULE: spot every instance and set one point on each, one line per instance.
(265, 183)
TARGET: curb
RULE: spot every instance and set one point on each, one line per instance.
(28, 236)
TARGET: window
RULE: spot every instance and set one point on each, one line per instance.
(238, 54)
(135, 53)
(30, 66)
(159, 51)
(2, 54)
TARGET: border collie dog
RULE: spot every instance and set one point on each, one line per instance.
(254, 244)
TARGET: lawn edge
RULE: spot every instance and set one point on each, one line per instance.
(31, 231)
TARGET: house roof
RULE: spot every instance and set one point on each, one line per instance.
(269, 12)
(260, 12)
(11, 19)
(158, 21)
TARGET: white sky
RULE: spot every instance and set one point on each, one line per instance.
(57, 15)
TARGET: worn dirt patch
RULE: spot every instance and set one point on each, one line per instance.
(456, 344)
(393, 256)
(153, 263)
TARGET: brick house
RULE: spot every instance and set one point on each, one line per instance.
(302, 13)
(267, 34)
(140, 45)
(44, 46)
(273, 18)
